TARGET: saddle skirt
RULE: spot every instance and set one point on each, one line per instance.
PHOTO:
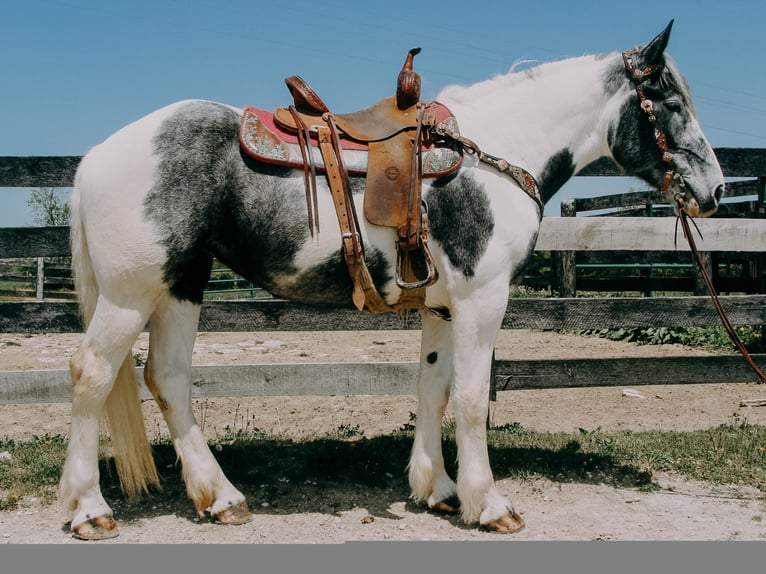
(262, 139)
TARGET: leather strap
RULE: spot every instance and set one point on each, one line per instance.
(309, 171)
(638, 75)
(364, 292)
(408, 237)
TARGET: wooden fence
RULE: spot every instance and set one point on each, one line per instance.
(666, 271)
(558, 235)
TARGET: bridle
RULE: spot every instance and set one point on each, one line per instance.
(630, 58)
(638, 75)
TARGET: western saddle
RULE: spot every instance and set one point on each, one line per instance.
(392, 135)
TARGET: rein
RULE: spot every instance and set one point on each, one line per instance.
(638, 75)
(684, 218)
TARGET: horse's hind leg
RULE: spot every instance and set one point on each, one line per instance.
(94, 368)
(428, 478)
(173, 327)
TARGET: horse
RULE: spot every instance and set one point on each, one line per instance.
(158, 200)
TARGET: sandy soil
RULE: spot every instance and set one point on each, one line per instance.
(553, 510)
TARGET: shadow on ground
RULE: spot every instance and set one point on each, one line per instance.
(333, 475)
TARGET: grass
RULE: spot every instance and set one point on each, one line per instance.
(282, 470)
(710, 338)
(31, 469)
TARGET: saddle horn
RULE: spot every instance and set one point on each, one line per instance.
(408, 83)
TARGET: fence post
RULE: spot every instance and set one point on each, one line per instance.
(492, 389)
(563, 262)
(700, 287)
(760, 214)
(40, 279)
(761, 259)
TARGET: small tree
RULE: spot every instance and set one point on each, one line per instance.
(50, 206)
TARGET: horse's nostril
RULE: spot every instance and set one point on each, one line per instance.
(719, 193)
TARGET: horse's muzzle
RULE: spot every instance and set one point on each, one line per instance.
(696, 207)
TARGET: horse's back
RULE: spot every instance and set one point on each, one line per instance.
(137, 139)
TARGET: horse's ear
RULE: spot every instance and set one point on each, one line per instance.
(651, 54)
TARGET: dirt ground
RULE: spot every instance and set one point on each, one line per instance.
(553, 510)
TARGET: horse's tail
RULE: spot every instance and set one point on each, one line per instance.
(124, 416)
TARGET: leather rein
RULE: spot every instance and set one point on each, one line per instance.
(637, 75)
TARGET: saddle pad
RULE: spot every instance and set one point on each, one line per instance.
(261, 139)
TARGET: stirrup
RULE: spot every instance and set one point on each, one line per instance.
(425, 264)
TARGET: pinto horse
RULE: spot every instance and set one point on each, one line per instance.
(156, 202)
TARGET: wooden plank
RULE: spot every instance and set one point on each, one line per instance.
(635, 284)
(522, 313)
(679, 370)
(18, 242)
(648, 233)
(279, 315)
(628, 258)
(741, 162)
(653, 197)
(664, 284)
(38, 171)
(735, 162)
(384, 378)
(618, 200)
(556, 234)
(40, 317)
(286, 379)
(373, 378)
(625, 312)
(58, 171)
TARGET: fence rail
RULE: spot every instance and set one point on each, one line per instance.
(558, 235)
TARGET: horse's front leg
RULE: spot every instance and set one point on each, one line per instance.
(476, 323)
(429, 481)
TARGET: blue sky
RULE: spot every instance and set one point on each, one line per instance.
(77, 70)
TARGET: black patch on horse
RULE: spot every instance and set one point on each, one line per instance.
(328, 284)
(461, 220)
(206, 202)
(557, 171)
(633, 145)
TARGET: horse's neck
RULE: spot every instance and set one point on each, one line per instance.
(537, 118)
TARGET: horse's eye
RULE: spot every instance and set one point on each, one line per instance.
(674, 105)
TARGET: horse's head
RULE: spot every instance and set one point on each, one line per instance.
(658, 137)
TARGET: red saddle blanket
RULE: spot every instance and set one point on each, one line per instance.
(262, 139)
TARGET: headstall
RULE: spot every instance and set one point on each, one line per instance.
(637, 74)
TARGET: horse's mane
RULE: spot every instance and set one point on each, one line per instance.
(670, 79)
(514, 76)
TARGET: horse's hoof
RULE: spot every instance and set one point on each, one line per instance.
(450, 505)
(507, 524)
(237, 514)
(98, 528)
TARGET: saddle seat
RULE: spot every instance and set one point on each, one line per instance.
(378, 122)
